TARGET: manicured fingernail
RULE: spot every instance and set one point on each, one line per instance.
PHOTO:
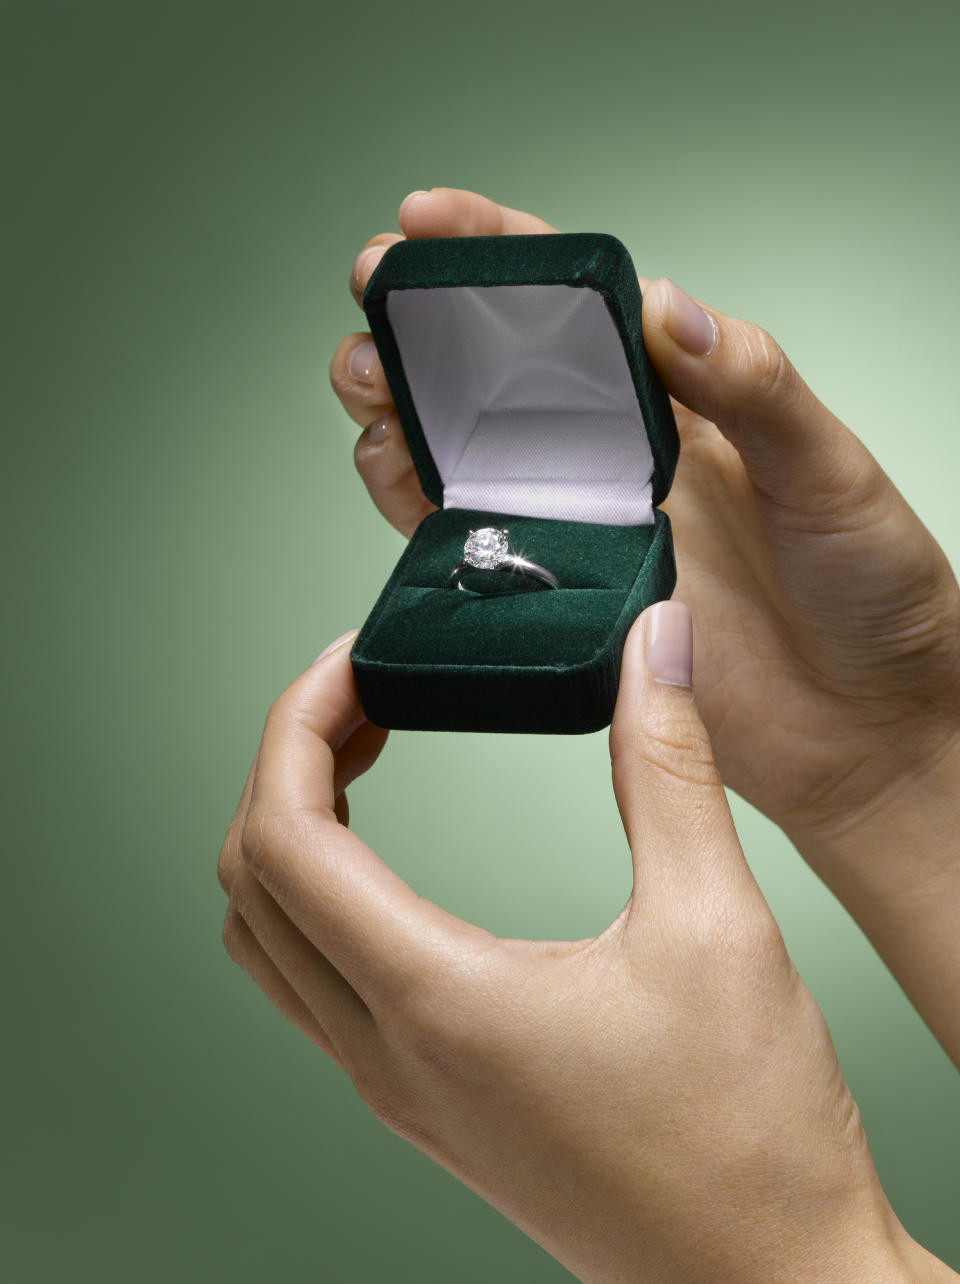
(336, 644)
(688, 325)
(365, 262)
(363, 362)
(669, 637)
(379, 430)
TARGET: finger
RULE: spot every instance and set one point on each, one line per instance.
(329, 998)
(451, 211)
(381, 455)
(247, 952)
(383, 461)
(671, 799)
(736, 376)
(444, 211)
(367, 260)
(357, 378)
(374, 929)
(327, 991)
(230, 860)
(356, 755)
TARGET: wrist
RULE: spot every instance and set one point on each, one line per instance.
(894, 862)
(865, 1242)
(860, 1239)
(911, 1262)
(887, 1256)
(902, 831)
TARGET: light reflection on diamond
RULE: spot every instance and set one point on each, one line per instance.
(485, 548)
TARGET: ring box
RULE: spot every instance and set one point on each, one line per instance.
(518, 371)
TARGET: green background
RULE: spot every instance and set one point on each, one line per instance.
(185, 187)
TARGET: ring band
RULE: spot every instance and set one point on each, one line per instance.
(486, 549)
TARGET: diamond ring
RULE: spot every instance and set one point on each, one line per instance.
(486, 549)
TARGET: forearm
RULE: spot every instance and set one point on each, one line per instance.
(896, 868)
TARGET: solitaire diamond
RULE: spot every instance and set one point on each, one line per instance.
(485, 548)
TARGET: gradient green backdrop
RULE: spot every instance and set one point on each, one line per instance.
(186, 185)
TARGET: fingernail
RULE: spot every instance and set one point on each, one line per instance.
(365, 262)
(669, 638)
(363, 362)
(336, 644)
(379, 430)
(688, 325)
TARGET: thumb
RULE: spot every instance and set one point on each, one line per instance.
(668, 789)
(735, 375)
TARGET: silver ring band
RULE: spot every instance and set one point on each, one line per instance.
(486, 550)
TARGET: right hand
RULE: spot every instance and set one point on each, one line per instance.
(828, 643)
(660, 1102)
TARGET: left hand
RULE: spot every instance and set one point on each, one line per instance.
(828, 618)
(662, 1102)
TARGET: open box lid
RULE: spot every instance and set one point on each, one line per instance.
(517, 367)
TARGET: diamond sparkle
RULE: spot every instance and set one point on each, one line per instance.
(485, 548)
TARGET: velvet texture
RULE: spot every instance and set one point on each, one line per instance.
(432, 657)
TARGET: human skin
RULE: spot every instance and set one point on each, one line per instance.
(827, 620)
(659, 1103)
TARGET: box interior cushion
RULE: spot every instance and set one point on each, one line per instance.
(422, 619)
(526, 401)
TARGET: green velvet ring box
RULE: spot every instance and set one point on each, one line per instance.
(517, 367)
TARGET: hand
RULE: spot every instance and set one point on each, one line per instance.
(662, 1102)
(381, 454)
(828, 619)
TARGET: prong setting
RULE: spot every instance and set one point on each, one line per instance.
(486, 548)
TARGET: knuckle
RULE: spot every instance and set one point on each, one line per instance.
(225, 864)
(231, 933)
(739, 944)
(404, 1123)
(277, 712)
(230, 859)
(385, 1093)
(275, 842)
(281, 714)
(262, 838)
(679, 749)
(438, 1042)
(771, 373)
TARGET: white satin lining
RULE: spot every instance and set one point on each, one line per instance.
(526, 401)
